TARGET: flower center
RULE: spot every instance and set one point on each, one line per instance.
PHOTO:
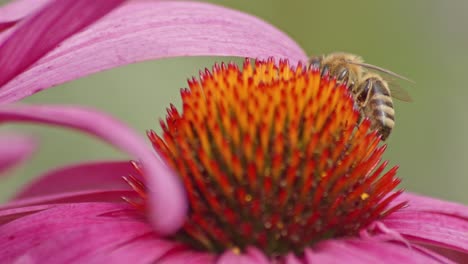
(273, 157)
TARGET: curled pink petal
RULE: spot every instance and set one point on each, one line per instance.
(91, 228)
(168, 205)
(41, 32)
(361, 251)
(14, 149)
(101, 175)
(144, 30)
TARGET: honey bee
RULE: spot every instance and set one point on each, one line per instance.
(368, 85)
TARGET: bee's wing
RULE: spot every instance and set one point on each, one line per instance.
(396, 90)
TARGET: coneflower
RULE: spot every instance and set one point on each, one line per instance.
(267, 163)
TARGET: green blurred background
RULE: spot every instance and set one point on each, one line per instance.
(424, 40)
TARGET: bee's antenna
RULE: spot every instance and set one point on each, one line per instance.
(377, 68)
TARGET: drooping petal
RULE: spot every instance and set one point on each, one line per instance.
(97, 175)
(41, 32)
(144, 30)
(83, 231)
(362, 251)
(14, 149)
(167, 199)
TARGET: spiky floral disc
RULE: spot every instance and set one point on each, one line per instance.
(273, 157)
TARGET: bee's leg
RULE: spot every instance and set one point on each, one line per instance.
(361, 97)
(364, 92)
(351, 86)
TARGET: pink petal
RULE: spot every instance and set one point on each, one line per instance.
(73, 197)
(40, 33)
(167, 199)
(146, 249)
(6, 25)
(252, 255)
(18, 9)
(12, 214)
(361, 251)
(437, 229)
(145, 30)
(76, 233)
(457, 256)
(432, 222)
(102, 175)
(182, 256)
(293, 259)
(230, 257)
(257, 255)
(14, 149)
(429, 204)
